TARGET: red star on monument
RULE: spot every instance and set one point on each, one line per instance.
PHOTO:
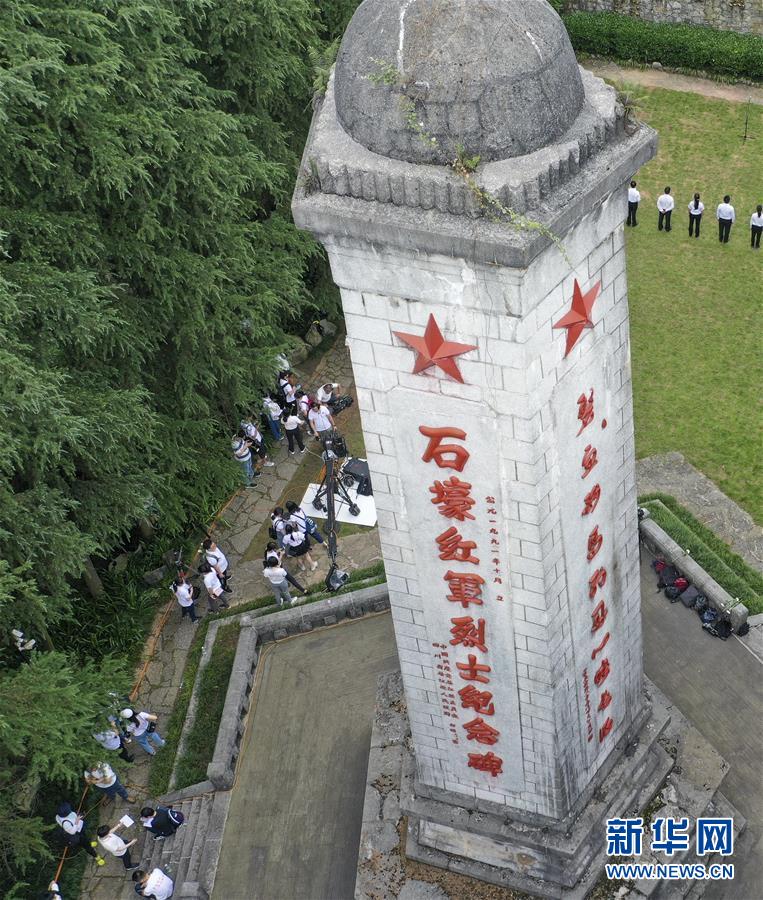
(433, 350)
(579, 317)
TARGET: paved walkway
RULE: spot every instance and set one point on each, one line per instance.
(671, 81)
(294, 823)
(237, 530)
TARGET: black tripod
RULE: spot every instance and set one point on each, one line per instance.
(332, 484)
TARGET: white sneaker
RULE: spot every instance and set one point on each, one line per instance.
(314, 566)
(268, 463)
(291, 453)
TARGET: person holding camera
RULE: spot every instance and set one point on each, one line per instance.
(252, 433)
(214, 587)
(185, 594)
(142, 726)
(242, 453)
(111, 739)
(273, 412)
(272, 551)
(297, 545)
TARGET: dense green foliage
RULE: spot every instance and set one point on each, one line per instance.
(677, 46)
(149, 276)
(723, 565)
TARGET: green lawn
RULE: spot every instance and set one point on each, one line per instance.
(696, 305)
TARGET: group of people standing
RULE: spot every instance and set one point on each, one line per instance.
(289, 412)
(292, 532)
(724, 213)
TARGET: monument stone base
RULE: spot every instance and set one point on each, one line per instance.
(666, 768)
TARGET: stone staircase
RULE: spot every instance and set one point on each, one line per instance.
(190, 856)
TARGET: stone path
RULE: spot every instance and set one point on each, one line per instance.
(671, 81)
(240, 524)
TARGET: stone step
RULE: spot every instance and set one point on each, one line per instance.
(191, 862)
(184, 837)
(210, 854)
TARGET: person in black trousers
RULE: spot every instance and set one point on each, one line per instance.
(726, 217)
(634, 197)
(756, 227)
(665, 206)
(696, 208)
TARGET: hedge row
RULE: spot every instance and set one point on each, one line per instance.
(722, 564)
(676, 46)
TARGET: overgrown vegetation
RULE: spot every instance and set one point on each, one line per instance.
(213, 685)
(723, 565)
(149, 276)
(629, 39)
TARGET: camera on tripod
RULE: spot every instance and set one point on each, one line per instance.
(336, 445)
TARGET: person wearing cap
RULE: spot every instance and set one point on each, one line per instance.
(74, 828)
(142, 726)
(665, 206)
(634, 198)
(103, 777)
(756, 227)
(111, 841)
(156, 884)
(54, 892)
(726, 216)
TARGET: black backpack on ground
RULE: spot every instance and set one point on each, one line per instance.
(700, 604)
(689, 596)
(672, 593)
(667, 577)
(743, 629)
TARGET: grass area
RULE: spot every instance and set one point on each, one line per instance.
(696, 324)
(727, 568)
(213, 685)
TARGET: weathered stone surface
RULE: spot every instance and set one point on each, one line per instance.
(501, 84)
(421, 890)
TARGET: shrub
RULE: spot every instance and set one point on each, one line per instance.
(677, 46)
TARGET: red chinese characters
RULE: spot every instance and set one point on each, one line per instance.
(465, 588)
(453, 498)
(486, 762)
(478, 730)
(590, 459)
(596, 581)
(597, 650)
(585, 411)
(595, 540)
(446, 456)
(468, 632)
(479, 701)
(454, 547)
(473, 670)
(591, 500)
(599, 616)
(601, 674)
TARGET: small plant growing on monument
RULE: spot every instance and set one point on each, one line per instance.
(630, 101)
(464, 163)
(387, 73)
(322, 62)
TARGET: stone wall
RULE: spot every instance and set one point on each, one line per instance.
(745, 16)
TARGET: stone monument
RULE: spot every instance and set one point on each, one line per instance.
(467, 179)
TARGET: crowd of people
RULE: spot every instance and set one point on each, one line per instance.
(121, 729)
(289, 413)
(724, 213)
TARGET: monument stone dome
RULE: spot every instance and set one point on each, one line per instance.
(498, 77)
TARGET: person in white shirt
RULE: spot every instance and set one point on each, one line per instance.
(298, 517)
(726, 218)
(252, 433)
(297, 545)
(273, 411)
(325, 393)
(74, 830)
(156, 885)
(292, 424)
(109, 840)
(303, 404)
(278, 523)
(696, 208)
(103, 777)
(634, 198)
(111, 739)
(214, 587)
(183, 592)
(320, 421)
(218, 560)
(142, 726)
(242, 453)
(665, 206)
(273, 552)
(756, 227)
(277, 576)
